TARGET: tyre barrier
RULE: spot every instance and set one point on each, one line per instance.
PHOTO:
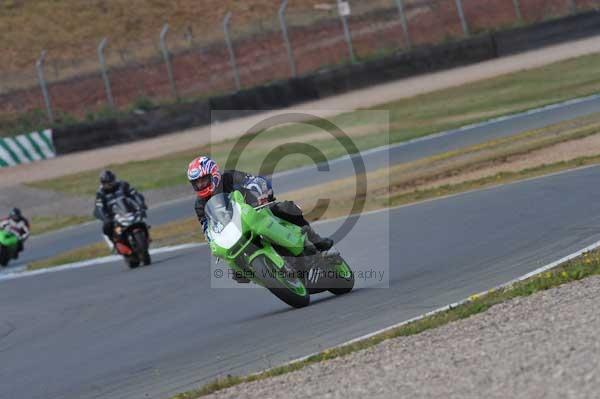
(546, 33)
(26, 148)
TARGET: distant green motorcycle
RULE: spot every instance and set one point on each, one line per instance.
(9, 246)
(271, 252)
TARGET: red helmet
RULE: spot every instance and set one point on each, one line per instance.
(203, 173)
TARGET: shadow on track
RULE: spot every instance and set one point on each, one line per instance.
(326, 297)
(160, 261)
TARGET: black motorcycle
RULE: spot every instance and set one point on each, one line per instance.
(131, 235)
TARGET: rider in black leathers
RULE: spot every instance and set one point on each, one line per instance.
(109, 190)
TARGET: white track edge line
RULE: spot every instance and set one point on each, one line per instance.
(92, 262)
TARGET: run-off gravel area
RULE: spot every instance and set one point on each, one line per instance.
(543, 346)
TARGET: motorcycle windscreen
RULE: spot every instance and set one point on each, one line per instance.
(224, 221)
(124, 210)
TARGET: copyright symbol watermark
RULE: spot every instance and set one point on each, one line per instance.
(323, 161)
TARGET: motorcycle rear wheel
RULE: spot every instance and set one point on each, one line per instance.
(345, 282)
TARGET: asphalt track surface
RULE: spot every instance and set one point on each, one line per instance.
(51, 244)
(108, 332)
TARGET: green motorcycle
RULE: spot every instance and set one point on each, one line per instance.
(9, 246)
(271, 252)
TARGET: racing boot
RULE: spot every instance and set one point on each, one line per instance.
(240, 277)
(320, 243)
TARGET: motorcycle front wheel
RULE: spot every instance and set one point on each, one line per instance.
(132, 261)
(141, 246)
(285, 286)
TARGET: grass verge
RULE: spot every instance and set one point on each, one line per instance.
(92, 251)
(490, 181)
(44, 224)
(409, 118)
(574, 270)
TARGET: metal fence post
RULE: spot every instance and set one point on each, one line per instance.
(233, 62)
(286, 38)
(40, 72)
(463, 20)
(518, 10)
(165, 53)
(347, 34)
(572, 6)
(400, 5)
(109, 95)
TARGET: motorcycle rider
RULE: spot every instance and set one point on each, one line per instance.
(207, 180)
(17, 224)
(111, 189)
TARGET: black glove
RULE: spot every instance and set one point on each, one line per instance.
(250, 196)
